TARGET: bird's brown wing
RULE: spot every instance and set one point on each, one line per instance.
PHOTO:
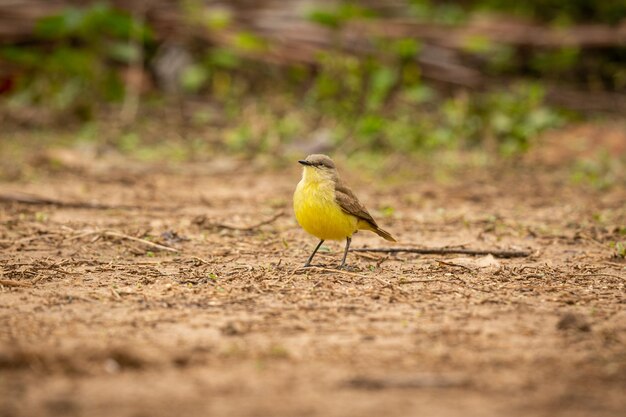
(350, 204)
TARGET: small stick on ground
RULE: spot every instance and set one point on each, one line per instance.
(203, 222)
(115, 294)
(204, 261)
(381, 260)
(448, 251)
(453, 264)
(127, 237)
(11, 283)
(144, 241)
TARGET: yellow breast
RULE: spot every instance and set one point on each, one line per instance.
(319, 214)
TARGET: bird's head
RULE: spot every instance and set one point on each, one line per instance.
(318, 167)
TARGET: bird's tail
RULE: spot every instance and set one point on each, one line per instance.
(365, 225)
(384, 234)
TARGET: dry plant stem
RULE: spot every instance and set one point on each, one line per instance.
(454, 265)
(115, 294)
(11, 283)
(145, 242)
(247, 228)
(204, 261)
(127, 237)
(446, 251)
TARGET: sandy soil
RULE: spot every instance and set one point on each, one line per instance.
(94, 323)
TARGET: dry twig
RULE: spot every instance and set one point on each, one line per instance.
(127, 237)
(204, 222)
(447, 251)
(11, 283)
(467, 268)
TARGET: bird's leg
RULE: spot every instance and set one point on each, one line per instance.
(345, 253)
(308, 261)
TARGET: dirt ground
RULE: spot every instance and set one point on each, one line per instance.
(97, 320)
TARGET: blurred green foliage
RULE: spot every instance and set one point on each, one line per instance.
(437, 11)
(619, 250)
(600, 172)
(375, 101)
(387, 106)
(76, 63)
(344, 12)
(561, 11)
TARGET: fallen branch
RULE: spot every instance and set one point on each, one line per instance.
(448, 251)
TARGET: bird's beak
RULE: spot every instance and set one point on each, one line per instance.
(303, 162)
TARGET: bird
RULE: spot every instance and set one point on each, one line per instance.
(326, 208)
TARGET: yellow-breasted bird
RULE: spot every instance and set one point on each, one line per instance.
(326, 208)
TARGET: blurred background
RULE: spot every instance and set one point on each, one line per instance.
(472, 81)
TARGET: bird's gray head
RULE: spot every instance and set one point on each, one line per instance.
(319, 168)
(318, 161)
